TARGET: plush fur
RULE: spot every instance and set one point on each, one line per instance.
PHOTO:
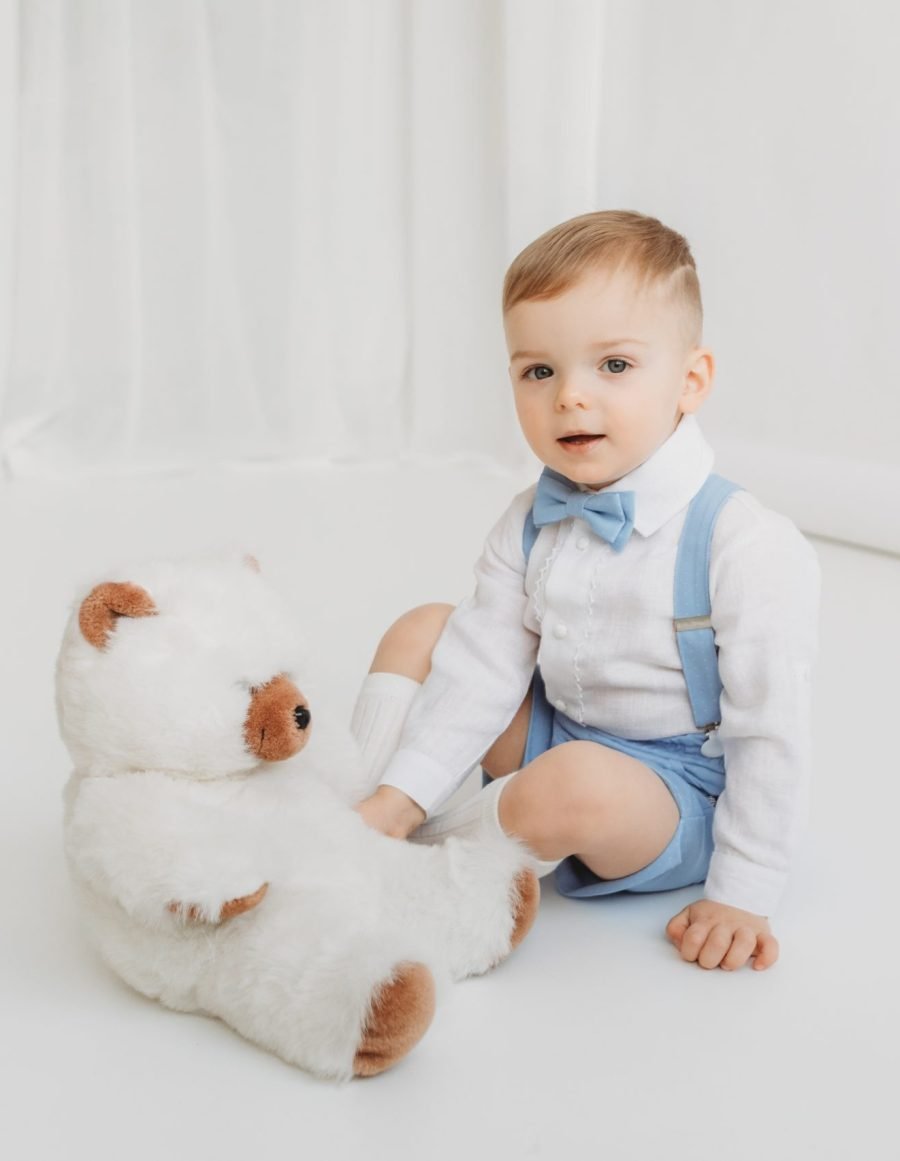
(211, 838)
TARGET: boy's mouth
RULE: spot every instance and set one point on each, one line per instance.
(580, 439)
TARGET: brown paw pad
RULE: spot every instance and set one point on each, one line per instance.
(401, 1012)
(528, 890)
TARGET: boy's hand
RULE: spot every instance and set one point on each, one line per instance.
(391, 811)
(716, 935)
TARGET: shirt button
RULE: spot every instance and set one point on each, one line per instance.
(582, 543)
(559, 630)
(560, 705)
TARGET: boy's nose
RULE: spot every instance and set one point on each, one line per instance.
(571, 393)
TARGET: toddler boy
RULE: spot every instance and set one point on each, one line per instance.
(599, 762)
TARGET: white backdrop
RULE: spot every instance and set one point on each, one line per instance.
(277, 231)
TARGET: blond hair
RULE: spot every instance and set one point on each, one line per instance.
(609, 239)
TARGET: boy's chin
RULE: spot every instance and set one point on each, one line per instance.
(584, 477)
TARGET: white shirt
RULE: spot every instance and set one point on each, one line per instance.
(600, 624)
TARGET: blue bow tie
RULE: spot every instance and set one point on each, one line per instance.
(610, 514)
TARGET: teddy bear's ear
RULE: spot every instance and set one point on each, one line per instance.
(105, 603)
(252, 562)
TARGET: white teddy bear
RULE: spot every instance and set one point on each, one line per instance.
(211, 838)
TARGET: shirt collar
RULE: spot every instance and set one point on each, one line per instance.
(669, 479)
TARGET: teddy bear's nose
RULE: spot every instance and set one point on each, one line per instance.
(278, 725)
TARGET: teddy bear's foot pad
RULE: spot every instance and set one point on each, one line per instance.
(528, 888)
(401, 1013)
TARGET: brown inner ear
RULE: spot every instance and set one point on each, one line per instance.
(104, 603)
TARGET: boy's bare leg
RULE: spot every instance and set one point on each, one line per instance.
(582, 798)
(506, 754)
(407, 645)
(617, 816)
(586, 799)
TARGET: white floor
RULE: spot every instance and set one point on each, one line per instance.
(594, 1034)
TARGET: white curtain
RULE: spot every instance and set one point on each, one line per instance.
(275, 230)
(266, 230)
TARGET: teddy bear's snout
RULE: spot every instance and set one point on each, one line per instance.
(278, 720)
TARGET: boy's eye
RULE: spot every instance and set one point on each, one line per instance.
(540, 372)
(616, 366)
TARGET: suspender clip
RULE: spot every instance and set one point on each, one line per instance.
(685, 624)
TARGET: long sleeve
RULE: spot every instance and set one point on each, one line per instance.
(481, 668)
(764, 587)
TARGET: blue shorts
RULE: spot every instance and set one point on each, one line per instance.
(694, 780)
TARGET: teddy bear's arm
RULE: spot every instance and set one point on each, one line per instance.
(145, 841)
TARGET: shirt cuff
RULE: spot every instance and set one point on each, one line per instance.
(426, 781)
(739, 883)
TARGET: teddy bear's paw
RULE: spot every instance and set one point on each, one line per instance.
(192, 913)
(525, 898)
(245, 903)
(528, 895)
(400, 1014)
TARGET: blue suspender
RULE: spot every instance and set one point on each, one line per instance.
(693, 631)
(692, 608)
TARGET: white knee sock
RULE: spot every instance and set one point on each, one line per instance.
(476, 816)
(378, 716)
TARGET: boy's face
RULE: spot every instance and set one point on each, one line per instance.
(608, 363)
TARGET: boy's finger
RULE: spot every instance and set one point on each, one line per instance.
(766, 952)
(717, 945)
(742, 947)
(694, 938)
(677, 926)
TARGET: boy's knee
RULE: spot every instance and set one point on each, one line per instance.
(560, 801)
(407, 645)
(582, 800)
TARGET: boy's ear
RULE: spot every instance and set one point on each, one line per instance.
(698, 379)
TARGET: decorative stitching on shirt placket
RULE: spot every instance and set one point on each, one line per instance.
(584, 638)
(538, 602)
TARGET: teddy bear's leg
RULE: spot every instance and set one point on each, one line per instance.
(496, 900)
(473, 901)
(401, 1010)
(325, 980)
